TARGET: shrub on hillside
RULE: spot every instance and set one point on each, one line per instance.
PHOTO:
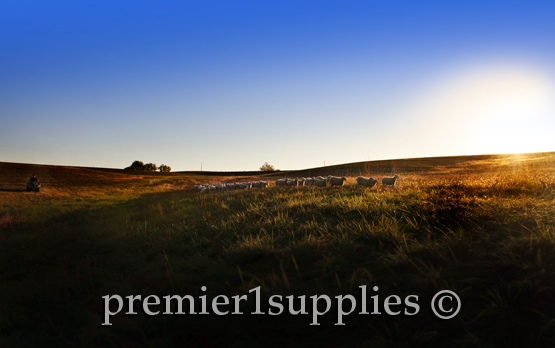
(165, 168)
(267, 167)
(137, 165)
(151, 167)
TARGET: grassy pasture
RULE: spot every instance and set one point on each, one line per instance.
(481, 226)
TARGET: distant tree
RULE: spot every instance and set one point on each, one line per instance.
(267, 167)
(137, 165)
(151, 167)
(164, 168)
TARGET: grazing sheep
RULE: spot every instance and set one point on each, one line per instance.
(320, 182)
(309, 181)
(367, 182)
(390, 181)
(301, 181)
(281, 182)
(292, 182)
(259, 184)
(202, 194)
(336, 181)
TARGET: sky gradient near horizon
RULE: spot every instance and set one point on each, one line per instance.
(234, 84)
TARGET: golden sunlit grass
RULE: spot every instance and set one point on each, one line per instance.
(482, 226)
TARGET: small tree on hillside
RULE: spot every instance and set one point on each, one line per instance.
(165, 168)
(137, 165)
(267, 167)
(151, 167)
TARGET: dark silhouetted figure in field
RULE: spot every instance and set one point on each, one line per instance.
(33, 184)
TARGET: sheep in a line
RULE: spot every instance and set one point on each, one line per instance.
(233, 186)
(201, 196)
(389, 181)
(336, 181)
(309, 182)
(366, 182)
(244, 186)
(292, 182)
(281, 182)
(260, 184)
(320, 182)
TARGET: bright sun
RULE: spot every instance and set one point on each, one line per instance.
(510, 110)
(491, 109)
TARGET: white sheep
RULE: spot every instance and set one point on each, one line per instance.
(320, 182)
(390, 181)
(244, 186)
(336, 181)
(281, 182)
(309, 181)
(292, 182)
(259, 184)
(367, 182)
(202, 194)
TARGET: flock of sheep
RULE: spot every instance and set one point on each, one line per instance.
(309, 182)
(206, 188)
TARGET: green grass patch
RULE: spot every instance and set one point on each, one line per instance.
(489, 238)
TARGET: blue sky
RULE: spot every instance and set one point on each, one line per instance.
(233, 84)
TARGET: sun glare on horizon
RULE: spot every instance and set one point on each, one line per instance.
(491, 108)
(511, 109)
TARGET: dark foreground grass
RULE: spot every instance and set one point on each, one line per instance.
(490, 238)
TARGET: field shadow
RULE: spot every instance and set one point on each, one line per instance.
(12, 190)
(69, 266)
(65, 274)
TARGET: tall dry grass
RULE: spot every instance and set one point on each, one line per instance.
(486, 233)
